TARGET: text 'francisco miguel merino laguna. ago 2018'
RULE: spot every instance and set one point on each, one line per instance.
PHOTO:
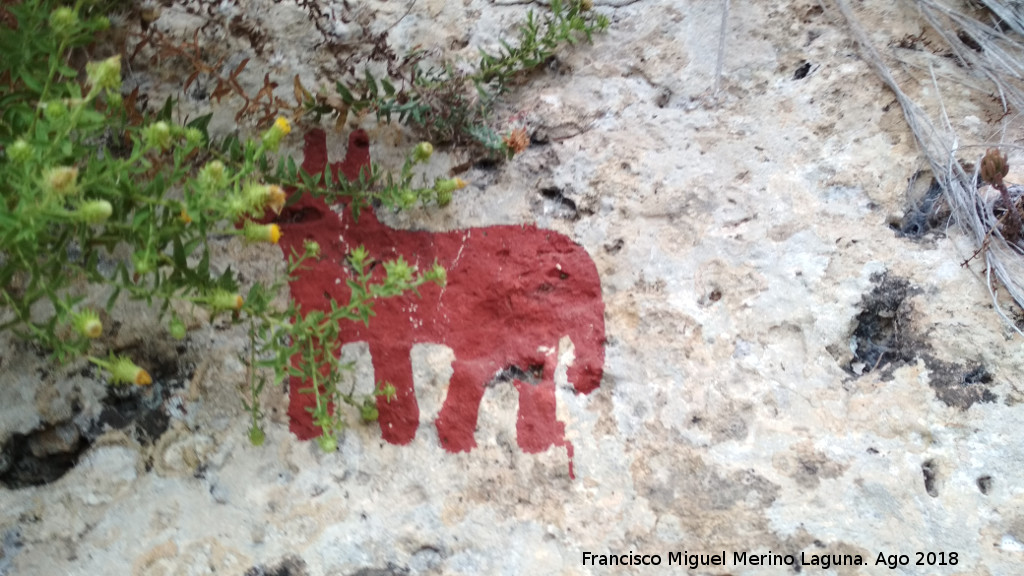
(694, 561)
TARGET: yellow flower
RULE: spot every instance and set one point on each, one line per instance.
(280, 129)
(262, 232)
(184, 217)
(282, 124)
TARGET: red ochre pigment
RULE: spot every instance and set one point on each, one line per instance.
(512, 293)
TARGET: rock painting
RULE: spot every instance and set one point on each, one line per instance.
(513, 293)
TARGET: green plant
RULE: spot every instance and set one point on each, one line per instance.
(97, 196)
(446, 105)
(81, 185)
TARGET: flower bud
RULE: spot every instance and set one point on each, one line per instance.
(62, 180)
(212, 177)
(55, 110)
(94, 211)
(388, 392)
(261, 232)
(144, 262)
(87, 323)
(114, 99)
(438, 275)
(272, 137)
(19, 151)
(407, 198)
(257, 436)
(328, 443)
(63, 21)
(398, 271)
(312, 248)
(449, 185)
(157, 135)
(259, 197)
(368, 411)
(993, 166)
(422, 152)
(222, 300)
(275, 198)
(445, 189)
(123, 371)
(177, 328)
(193, 137)
(105, 74)
(444, 198)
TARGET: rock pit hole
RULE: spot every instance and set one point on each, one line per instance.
(885, 339)
(45, 454)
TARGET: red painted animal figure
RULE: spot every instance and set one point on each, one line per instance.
(512, 293)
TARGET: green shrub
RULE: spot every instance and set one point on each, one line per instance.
(96, 196)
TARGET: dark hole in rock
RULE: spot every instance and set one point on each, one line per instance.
(615, 247)
(802, 71)
(882, 325)
(47, 453)
(884, 337)
(663, 97)
(930, 472)
(554, 202)
(985, 484)
(391, 570)
(957, 386)
(532, 375)
(978, 376)
(294, 215)
(924, 214)
(23, 468)
(969, 41)
(486, 164)
(288, 566)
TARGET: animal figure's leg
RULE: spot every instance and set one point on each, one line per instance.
(537, 424)
(399, 416)
(456, 424)
(537, 427)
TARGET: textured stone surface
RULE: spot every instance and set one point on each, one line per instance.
(745, 253)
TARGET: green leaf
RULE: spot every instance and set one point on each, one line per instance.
(115, 294)
(178, 254)
(202, 123)
(31, 82)
(346, 96)
(371, 84)
(165, 113)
